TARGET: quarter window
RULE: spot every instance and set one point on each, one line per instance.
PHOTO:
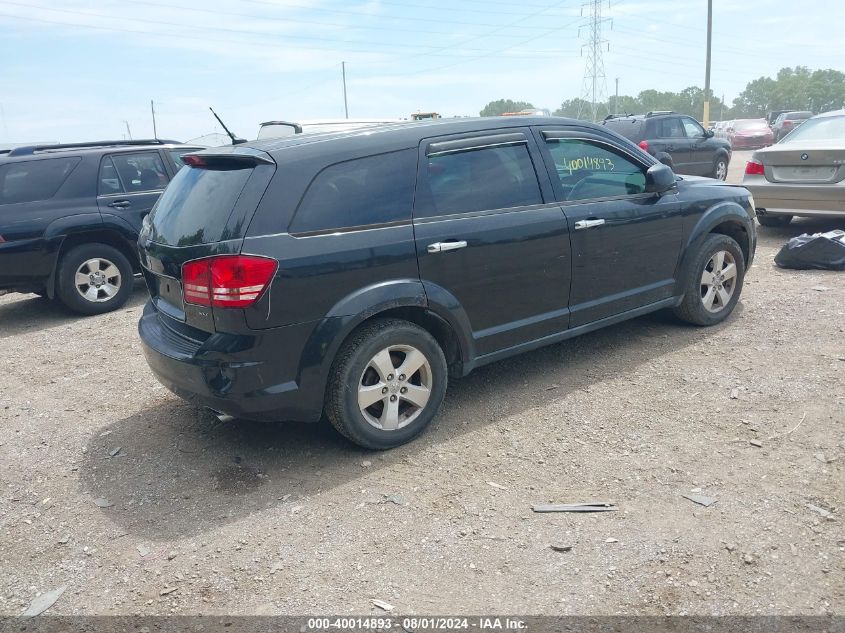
(482, 179)
(131, 173)
(35, 180)
(360, 192)
(588, 170)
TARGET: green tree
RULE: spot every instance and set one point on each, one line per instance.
(796, 88)
(497, 108)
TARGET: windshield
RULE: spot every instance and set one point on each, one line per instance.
(830, 128)
(751, 124)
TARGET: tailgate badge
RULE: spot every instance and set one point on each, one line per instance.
(805, 156)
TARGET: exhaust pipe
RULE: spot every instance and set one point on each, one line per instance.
(223, 417)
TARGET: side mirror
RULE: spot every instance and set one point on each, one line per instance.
(659, 178)
(709, 133)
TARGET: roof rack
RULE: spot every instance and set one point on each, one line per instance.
(31, 149)
(616, 116)
(659, 112)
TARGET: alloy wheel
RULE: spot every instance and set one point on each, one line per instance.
(97, 280)
(718, 281)
(394, 387)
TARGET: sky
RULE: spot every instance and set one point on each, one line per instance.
(74, 70)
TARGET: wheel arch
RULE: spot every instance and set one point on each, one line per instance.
(726, 218)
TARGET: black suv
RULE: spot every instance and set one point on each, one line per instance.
(70, 216)
(677, 140)
(352, 272)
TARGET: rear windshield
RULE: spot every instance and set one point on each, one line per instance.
(822, 129)
(797, 116)
(34, 180)
(751, 124)
(195, 208)
(629, 128)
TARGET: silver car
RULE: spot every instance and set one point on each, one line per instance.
(803, 174)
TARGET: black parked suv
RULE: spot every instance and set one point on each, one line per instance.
(70, 216)
(352, 272)
(677, 140)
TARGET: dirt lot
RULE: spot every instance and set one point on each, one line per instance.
(114, 488)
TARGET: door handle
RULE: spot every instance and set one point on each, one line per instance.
(587, 224)
(120, 204)
(441, 247)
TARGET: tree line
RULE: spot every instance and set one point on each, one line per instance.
(796, 88)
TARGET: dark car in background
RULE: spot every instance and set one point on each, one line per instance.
(749, 134)
(353, 273)
(788, 121)
(70, 216)
(677, 140)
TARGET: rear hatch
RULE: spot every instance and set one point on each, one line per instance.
(202, 217)
(800, 163)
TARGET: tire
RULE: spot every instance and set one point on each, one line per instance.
(362, 362)
(774, 220)
(721, 295)
(110, 271)
(720, 168)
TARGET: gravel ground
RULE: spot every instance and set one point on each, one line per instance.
(139, 503)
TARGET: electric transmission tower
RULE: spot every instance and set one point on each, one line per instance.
(594, 87)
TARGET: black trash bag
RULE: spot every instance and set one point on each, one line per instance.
(825, 251)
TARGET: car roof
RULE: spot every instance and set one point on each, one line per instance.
(831, 113)
(92, 147)
(409, 132)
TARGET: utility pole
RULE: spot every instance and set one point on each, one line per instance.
(345, 105)
(594, 87)
(616, 98)
(128, 131)
(153, 110)
(706, 116)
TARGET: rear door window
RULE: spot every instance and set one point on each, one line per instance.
(479, 179)
(132, 173)
(360, 192)
(35, 180)
(588, 170)
(670, 128)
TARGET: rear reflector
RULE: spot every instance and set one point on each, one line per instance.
(227, 281)
(754, 168)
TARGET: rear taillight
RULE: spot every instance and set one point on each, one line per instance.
(227, 281)
(643, 145)
(754, 168)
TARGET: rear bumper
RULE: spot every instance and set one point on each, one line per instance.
(823, 200)
(246, 377)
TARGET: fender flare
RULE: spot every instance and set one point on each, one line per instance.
(351, 311)
(720, 213)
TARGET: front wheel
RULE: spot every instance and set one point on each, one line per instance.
(720, 168)
(387, 384)
(713, 283)
(94, 278)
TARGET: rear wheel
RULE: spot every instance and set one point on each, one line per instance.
(714, 282)
(774, 220)
(94, 278)
(387, 384)
(720, 168)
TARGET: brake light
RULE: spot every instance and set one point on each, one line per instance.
(227, 281)
(194, 161)
(754, 168)
(643, 145)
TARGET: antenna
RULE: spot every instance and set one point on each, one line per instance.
(594, 87)
(235, 139)
(153, 110)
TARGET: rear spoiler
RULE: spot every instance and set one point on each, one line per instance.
(222, 160)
